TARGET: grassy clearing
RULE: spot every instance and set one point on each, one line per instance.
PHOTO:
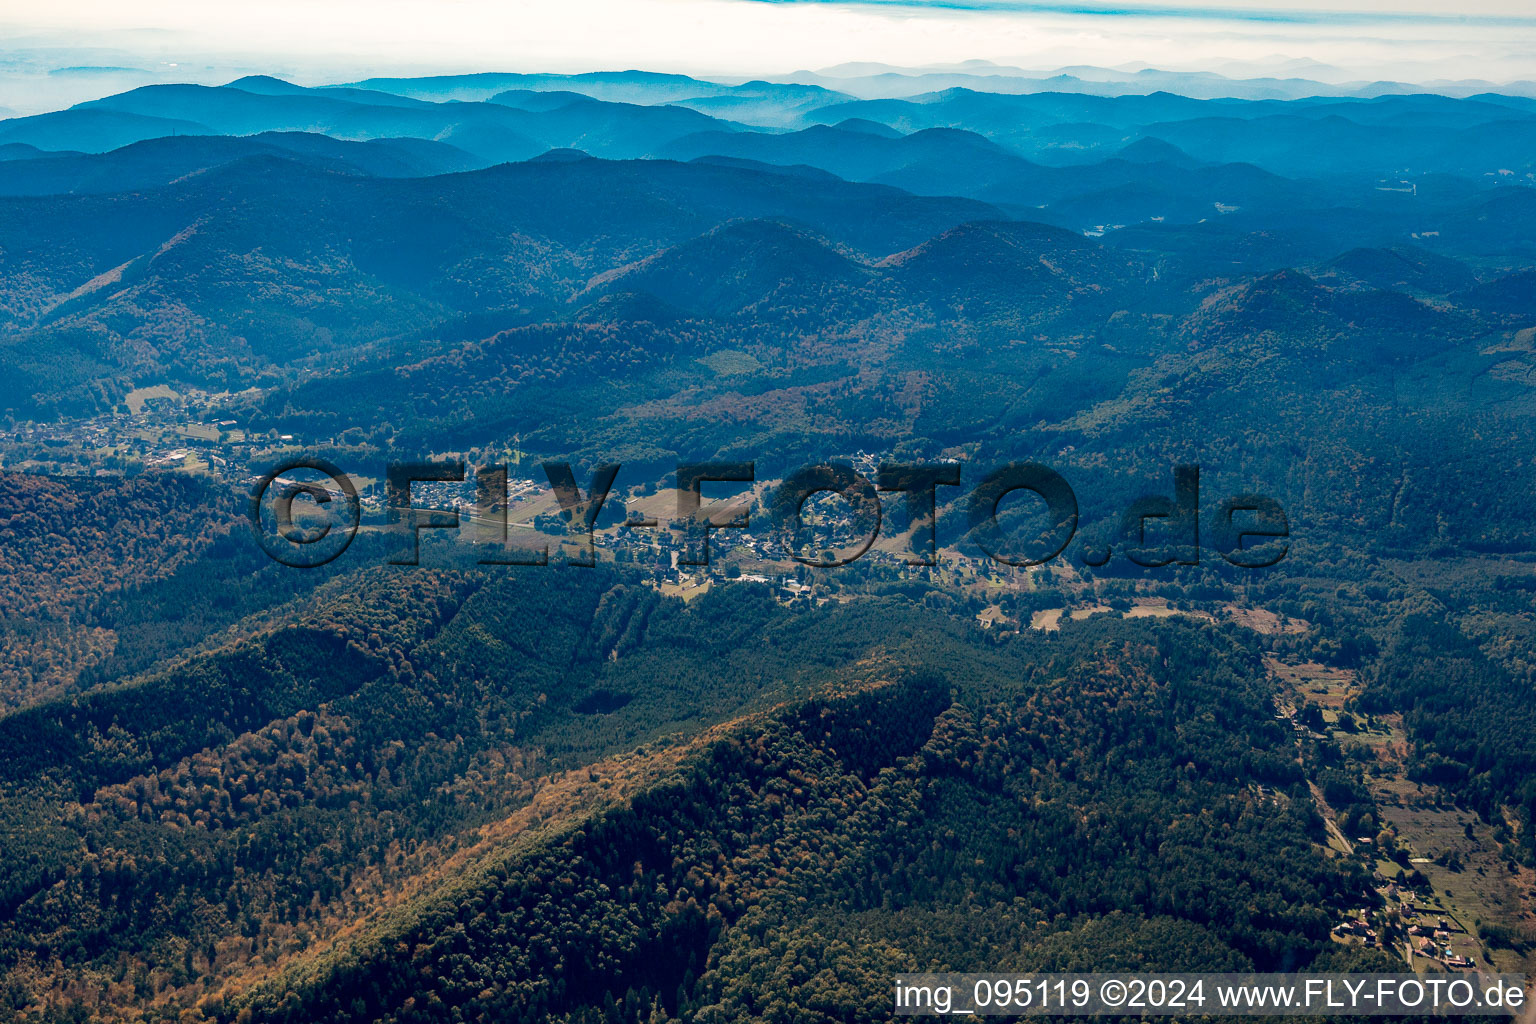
(136, 398)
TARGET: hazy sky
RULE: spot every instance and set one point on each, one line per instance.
(328, 40)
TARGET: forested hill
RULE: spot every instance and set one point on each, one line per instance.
(1091, 806)
(489, 777)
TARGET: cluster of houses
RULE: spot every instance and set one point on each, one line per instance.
(1431, 940)
(153, 434)
(1434, 942)
(1358, 928)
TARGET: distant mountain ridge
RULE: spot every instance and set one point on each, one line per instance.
(1086, 162)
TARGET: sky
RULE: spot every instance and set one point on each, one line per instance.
(316, 41)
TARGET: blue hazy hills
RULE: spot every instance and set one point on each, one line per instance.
(1083, 161)
(228, 234)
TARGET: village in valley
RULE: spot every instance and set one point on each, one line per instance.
(1438, 875)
